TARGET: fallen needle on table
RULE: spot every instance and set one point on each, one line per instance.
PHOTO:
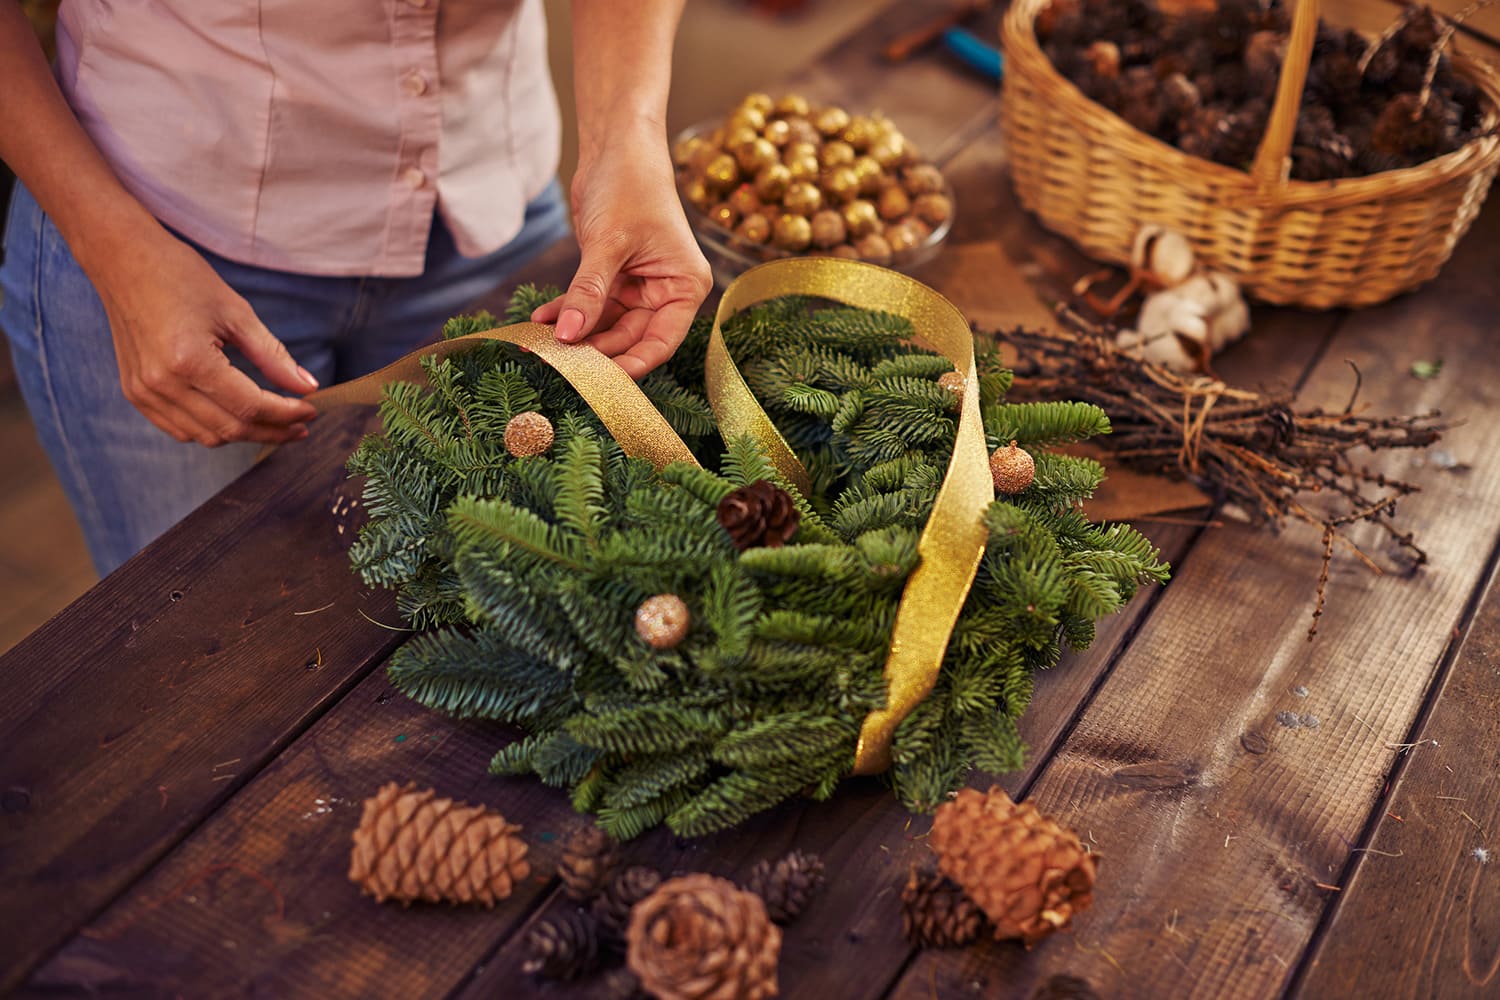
(316, 610)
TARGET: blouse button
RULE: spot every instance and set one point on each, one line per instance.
(415, 84)
(414, 178)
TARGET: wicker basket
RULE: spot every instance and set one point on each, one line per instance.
(1096, 180)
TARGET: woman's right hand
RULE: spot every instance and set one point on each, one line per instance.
(172, 316)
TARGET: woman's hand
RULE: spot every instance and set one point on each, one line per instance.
(172, 316)
(642, 276)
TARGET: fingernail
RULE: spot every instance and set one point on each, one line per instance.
(570, 325)
(307, 376)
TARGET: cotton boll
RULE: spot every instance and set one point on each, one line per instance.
(1231, 320)
(1172, 331)
(1163, 255)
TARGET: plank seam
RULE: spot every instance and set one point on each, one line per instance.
(210, 810)
(1397, 771)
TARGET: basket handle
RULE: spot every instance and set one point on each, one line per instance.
(1271, 166)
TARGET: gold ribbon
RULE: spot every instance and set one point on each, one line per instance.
(953, 540)
(640, 429)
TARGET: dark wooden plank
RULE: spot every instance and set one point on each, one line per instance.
(1420, 912)
(1216, 817)
(152, 698)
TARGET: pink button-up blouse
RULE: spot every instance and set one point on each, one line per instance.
(318, 136)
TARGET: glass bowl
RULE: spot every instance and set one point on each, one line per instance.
(730, 255)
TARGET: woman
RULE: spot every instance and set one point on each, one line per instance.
(225, 203)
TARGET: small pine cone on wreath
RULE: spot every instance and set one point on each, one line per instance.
(1028, 873)
(588, 862)
(411, 845)
(786, 885)
(935, 913)
(611, 908)
(759, 514)
(699, 937)
(564, 947)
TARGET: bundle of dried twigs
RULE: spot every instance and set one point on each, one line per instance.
(1249, 449)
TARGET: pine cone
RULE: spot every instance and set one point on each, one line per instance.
(615, 901)
(413, 845)
(935, 913)
(760, 514)
(787, 885)
(562, 947)
(702, 938)
(622, 984)
(588, 861)
(1026, 872)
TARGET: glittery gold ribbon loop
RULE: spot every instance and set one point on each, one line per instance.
(640, 429)
(953, 540)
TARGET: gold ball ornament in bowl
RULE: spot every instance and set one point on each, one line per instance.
(893, 204)
(836, 153)
(758, 102)
(861, 218)
(831, 122)
(828, 229)
(723, 173)
(754, 228)
(792, 232)
(874, 248)
(724, 215)
(771, 183)
(841, 184)
(792, 105)
(755, 156)
(802, 198)
(778, 132)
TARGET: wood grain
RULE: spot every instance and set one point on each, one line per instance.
(1420, 912)
(1209, 885)
(146, 703)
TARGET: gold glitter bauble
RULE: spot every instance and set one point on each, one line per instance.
(902, 236)
(723, 173)
(871, 175)
(663, 621)
(923, 178)
(837, 153)
(860, 218)
(893, 203)
(750, 118)
(528, 434)
(933, 209)
(697, 194)
(792, 105)
(797, 150)
(754, 229)
(683, 152)
(759, 102)
(804, 168)
(841, 184)
(754, 157)
(803, 131)
(740, 135)
(743, 200)
(793, 232)
(802, 198)
(1012, 469)
(828, 229)
(771, 183)
(724, 215)
(954, 383)
(874, 249)
(778, 132)
(890, 152)
(859, 133)
(831, 121)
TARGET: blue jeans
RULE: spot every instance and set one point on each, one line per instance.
(128, 481)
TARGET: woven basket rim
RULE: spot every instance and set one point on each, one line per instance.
(1024, 53)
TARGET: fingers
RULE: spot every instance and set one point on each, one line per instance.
(270, 355)
(661, 338)
(586, 298)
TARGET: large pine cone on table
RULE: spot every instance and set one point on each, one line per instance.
(699, 937)
(1028, 874)
(412, 846)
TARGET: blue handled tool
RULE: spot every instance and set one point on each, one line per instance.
(977, 55)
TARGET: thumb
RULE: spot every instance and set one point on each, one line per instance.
(270, 355)
(584, 301)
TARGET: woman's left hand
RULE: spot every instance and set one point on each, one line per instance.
(642, 276)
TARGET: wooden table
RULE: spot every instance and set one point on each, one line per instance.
(185, 748)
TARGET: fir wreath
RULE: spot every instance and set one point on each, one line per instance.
(525, 573)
